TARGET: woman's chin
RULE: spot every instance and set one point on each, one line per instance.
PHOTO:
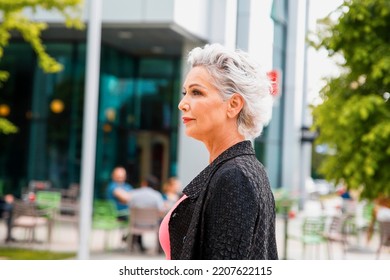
(191, 134)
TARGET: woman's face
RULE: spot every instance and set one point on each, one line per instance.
(204, 111)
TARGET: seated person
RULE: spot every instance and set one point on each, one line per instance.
(6, 207)
(146, 196)
(119, 191)
(171, 192)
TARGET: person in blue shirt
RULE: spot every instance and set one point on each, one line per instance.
(118, 190)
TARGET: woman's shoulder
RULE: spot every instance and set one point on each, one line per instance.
(241, 172)
(237, 173)
(244, 164)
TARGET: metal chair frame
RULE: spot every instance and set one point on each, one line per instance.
(337, 231)
(312, 233)
(144, 220)
(26, 215)
(105, 217)
(384, 236)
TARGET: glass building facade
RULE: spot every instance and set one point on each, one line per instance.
(140, 80)
(137, 117)
(268, 147)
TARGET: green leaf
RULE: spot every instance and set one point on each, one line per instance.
(13, 19)
(6, 127)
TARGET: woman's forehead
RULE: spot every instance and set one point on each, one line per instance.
(198, 76)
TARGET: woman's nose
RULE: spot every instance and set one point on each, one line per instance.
(183, 105)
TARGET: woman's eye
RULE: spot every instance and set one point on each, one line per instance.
(183, 93)
(195, 92)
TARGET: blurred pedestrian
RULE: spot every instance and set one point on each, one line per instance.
(348, 201)
(228, 210)
(118, 191)
(6, 211)
(171, 192)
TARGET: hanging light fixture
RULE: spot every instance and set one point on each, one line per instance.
(4, 110)
(57, 106)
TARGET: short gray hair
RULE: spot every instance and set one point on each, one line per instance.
(235, 72)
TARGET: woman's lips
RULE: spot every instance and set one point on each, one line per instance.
(186, 120)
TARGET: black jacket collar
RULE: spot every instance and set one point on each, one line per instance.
(195, 187)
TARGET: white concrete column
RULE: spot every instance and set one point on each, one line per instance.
(291, 161)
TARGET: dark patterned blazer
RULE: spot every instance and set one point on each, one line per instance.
(229, 212)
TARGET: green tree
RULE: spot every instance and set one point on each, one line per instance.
(15, 19)
(354, 118)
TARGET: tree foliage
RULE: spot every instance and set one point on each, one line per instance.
(14, 18)
(354, 118)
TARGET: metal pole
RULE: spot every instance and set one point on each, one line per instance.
(305, 148)
(285, 218)
(89, 125)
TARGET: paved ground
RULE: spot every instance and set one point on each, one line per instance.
(65, 238)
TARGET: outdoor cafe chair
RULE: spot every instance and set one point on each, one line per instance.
(68, 206)
(26, 215)
(48, 200)
(312, 233)
(384, 236)
(143, 221)
(35, 185)
(337, 233)
(105, 217)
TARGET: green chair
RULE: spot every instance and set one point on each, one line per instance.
(367, 215)
(105, 217)
(313, 233)
(48, 200)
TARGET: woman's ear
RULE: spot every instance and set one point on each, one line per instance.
(236, 102)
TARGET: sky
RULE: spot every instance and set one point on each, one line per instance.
(319, 65)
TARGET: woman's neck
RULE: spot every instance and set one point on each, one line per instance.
(216, 148)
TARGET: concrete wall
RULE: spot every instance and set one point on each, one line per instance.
(291, 162)
(128, 11)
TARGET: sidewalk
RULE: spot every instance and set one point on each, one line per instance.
(65, 239)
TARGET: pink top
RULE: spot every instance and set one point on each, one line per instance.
(164, 231)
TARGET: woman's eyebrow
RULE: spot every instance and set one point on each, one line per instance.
(194, 85)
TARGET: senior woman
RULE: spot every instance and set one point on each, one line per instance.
(228, 210)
